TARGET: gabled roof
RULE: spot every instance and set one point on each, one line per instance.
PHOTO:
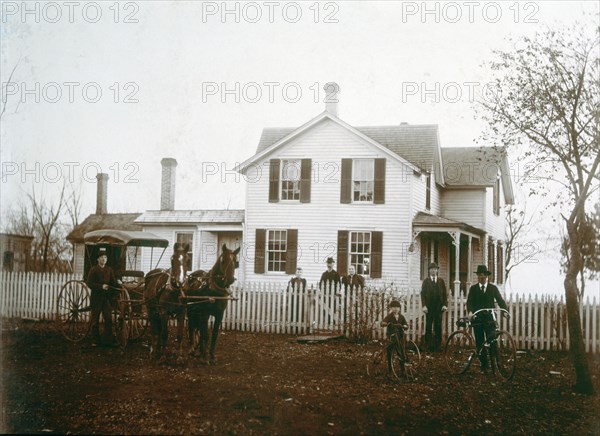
(117, 221)
(477, 166)
(273, 138)
(233, 216)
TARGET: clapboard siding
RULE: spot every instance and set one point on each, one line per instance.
(465, 205)
(78, 258)
(318, 222)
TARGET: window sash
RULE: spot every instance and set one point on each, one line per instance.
(187, 238)
(290, 179)
(360, 252)
(363, 180)
(276, 250)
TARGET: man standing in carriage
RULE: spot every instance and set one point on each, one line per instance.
(102, 281)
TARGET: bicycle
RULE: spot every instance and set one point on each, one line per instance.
(460, 350)
(403, 360)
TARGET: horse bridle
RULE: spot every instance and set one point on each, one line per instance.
(213, 277)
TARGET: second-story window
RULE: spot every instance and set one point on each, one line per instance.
(290, 179)
(362, 180)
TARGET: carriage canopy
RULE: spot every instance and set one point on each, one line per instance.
(126, 238)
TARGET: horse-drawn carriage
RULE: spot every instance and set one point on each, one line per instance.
(73, 308)
(153, 298)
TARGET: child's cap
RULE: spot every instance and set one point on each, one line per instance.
(394, 303)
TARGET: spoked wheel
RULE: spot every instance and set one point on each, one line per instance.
(73, 310)
(377, 365)
(137, 315)
(504, 355)
(413, 359)
(459, 352)
(398, 362)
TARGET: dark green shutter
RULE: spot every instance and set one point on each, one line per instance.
(342, 252)
(291, 254)
(305, 173)
(376, 250)
(274, 170)
(379, 188)
(346, 185)
(259, 251)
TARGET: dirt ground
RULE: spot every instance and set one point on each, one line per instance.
(270, 384)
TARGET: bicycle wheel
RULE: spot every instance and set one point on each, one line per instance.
(377, 365)
(398, 361)
(459, 352)
(413, 355)
(504, 355)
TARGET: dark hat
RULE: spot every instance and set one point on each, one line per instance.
(395, 303)
(330, 260)
(482, 269)
(102, 251)
(433, 265)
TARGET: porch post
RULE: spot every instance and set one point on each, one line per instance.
(469, 261)
(456, 241)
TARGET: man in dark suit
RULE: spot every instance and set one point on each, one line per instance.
(482, 296)
(297, 282)
(434, 299)
(103, 283)
(353, 280)
(330, 275)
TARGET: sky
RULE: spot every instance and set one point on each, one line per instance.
(116, 86)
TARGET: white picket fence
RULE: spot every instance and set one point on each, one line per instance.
(538, 323)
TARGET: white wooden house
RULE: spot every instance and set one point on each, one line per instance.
(386, 199)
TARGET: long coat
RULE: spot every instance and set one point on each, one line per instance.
(434, 295)
(355, 280)
(328, 276)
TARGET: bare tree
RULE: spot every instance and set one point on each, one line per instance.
(73, 204)
(46, 217)
(519, 248)
(549, 86)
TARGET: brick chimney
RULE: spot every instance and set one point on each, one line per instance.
(332, 91)
(167, 188)
(102, 194)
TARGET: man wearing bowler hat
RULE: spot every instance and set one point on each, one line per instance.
(482, 296)
(434, 299)
(330, 275)
(103, 283)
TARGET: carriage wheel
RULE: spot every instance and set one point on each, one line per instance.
(138, 318)
(73, 310)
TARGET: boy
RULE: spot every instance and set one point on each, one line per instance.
(393, 321)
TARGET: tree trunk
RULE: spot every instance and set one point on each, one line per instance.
(583, 383)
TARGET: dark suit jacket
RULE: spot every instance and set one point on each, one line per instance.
(101, 276)
(434, 295)
(299, 283)
(329, 276)
(478, 300)
(356, 281)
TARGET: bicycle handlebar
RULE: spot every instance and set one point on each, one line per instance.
(492, 311)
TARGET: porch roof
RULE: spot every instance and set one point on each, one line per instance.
(427, 222)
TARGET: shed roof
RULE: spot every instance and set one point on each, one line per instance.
(118, 221)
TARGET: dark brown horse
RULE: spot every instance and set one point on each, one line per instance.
(165, 298)
(214, 286)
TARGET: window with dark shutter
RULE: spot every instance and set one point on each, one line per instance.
(291, 255)
(274, 169)
(376, 254)
(305, 175)
(379, 194)
(259, 251)
(346, 185)
(342, 253)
